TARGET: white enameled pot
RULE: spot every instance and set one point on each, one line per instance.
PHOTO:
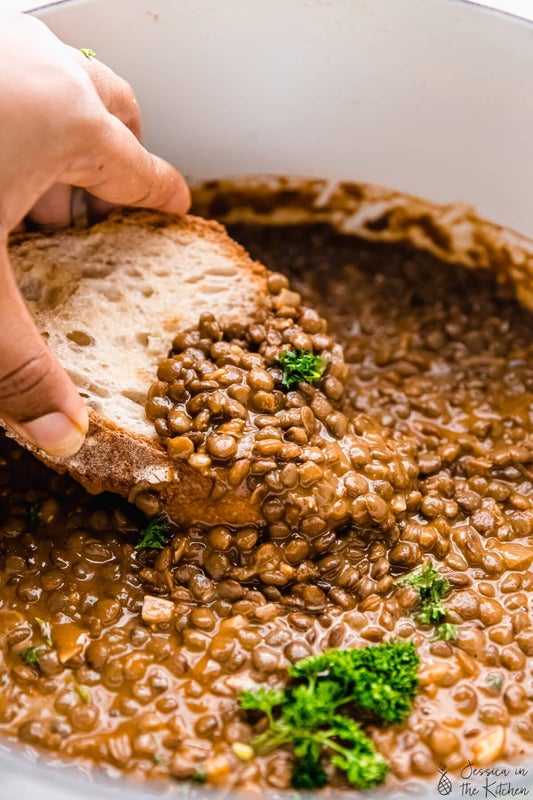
(433, 97)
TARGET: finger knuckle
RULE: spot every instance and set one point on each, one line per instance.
(126, 90)
(127, 108)
(115, 92)
(21, 386)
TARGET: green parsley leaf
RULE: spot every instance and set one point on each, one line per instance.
(308, 770)
(312, 715)
(364, 767)
(446, 631)
(300, 366)
(156, 534)
(45, 630)
(264, 700)
(430, 584)
(33, 513)
(199, 776)
(432, 587)
(381, 680)
(432, 613)
(32, 656)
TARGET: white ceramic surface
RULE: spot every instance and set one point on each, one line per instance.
(522, 8)
(434, 98)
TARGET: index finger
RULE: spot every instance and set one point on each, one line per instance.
(115, 93)
(115, 167)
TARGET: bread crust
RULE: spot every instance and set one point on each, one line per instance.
(134, 465)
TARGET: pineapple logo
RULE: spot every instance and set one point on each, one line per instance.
(444, 786)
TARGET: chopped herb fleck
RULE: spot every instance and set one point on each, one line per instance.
(300, 366)
(87, 52)
(432, 587)
(495, 681)
(156, 534)
(33, 513)
(45, 630)
(446, 631)
(32, 656)
(199, 776)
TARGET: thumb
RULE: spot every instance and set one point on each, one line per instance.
(37, 398)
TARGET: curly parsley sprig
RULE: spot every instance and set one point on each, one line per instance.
(312, 715)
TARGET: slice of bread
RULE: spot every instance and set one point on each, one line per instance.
(109, 300)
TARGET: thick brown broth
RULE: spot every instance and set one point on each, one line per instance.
(440, 358)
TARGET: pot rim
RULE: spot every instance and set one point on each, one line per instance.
(485, 5)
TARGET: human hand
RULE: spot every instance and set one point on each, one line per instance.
(67, 120)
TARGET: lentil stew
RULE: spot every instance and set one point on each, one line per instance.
(414, 447)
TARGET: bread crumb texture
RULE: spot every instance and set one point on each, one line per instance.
(109, 300)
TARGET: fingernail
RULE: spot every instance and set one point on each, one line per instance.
(55, 433)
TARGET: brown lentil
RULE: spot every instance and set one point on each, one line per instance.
(416, 443)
